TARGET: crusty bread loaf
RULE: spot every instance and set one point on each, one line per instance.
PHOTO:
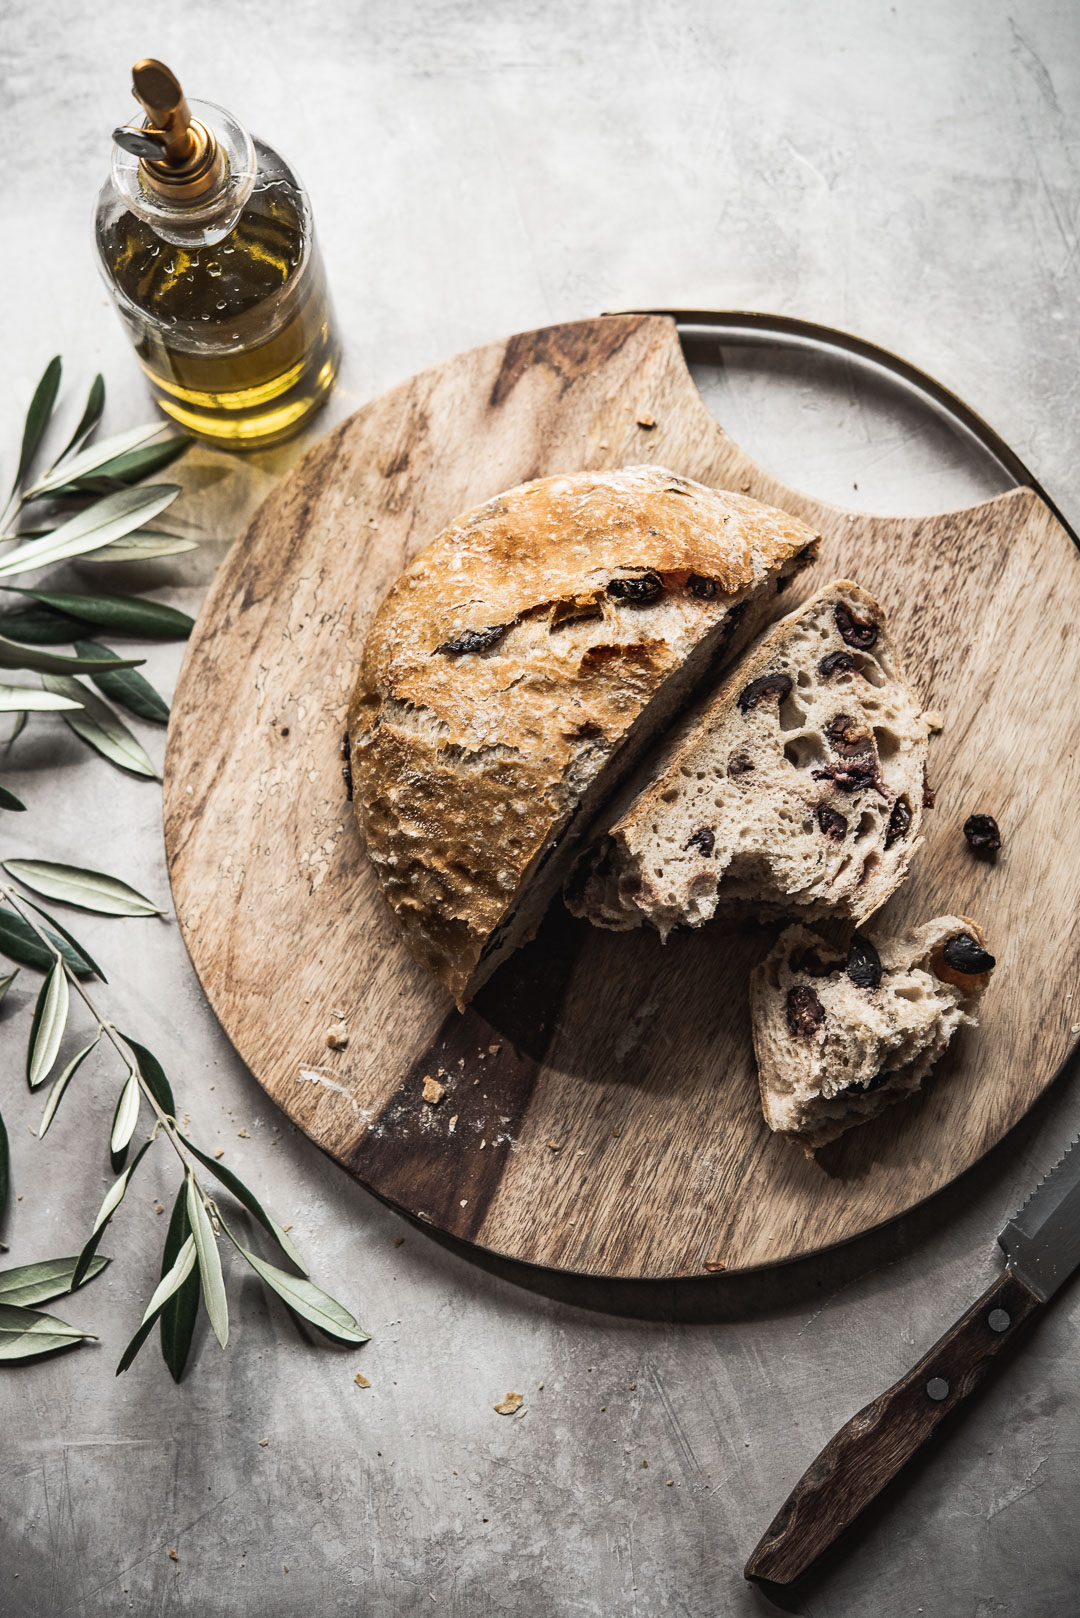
(797, 789)
(518, 667)
(838, 1041)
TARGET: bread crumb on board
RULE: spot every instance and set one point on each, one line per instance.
(433, 1090)
(713, 1265)
(337, 1035)
(645, 420)
(510, 1404)
(934, 719)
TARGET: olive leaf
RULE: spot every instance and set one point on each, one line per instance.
(60, 1084)
(37, 417)
(141, 547)
(123, 470)
(99, 727)
(114, 1196)
(93, 459)
(108, 519)
(40, 626)
(23, 699)
(8, 800)
(19, 942)
(122, 614)
(153, 1074)
(169, 1285)
(28, 1331)
(249, 1201)
(125, 1118)
(5, 1167)
(181, 1311)
(74, 885)
(92, 414)
(6, 981)
(15, 655)
(30, 1284)
(125, 685)
(305, 1299)
(213, 1284)
(47, 1028)
(77, 956)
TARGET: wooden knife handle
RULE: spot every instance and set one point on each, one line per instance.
(865, 1455)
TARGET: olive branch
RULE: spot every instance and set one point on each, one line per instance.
(109, 523)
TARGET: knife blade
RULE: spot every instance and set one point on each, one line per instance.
(1041, 1243)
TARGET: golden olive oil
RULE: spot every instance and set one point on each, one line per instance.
(215, 270)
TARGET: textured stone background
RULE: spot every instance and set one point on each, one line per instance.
(906, 171)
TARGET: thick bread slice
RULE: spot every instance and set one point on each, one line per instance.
(797, 789)
(518, 667)
(838, 1042)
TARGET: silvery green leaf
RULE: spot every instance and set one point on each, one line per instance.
(99, 727)
(114, 1196)
(304, 1298)
(143, 546)
(6, 980)
(154, 1075)
(5, 1167)
(122, 614)
(240, 1191)
(181, 1310)
(78, 957)
(17, 655)
(124, 470)
(47, 1029)
(40, 626)
(74, 885)
(19, 942)
(60, 1084)
(125, 685)
(30, 1284)
(37, 418)
(125, 1119)
(213, 1283)
(23, 699)
(92, 413)
(27, 1331)
(165, 1289)
(108, 519)
(94, 458)
(8, 800)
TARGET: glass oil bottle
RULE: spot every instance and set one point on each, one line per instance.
(207, 245)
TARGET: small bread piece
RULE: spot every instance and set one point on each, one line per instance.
(517, 669)
(839, 1041)
(798, 789)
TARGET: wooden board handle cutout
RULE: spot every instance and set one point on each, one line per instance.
(876, 1444)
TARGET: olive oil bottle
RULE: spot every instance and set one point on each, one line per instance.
(207, 245)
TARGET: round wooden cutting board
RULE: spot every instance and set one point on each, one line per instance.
(601, 1111)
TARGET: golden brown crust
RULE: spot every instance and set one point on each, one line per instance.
(499, 674)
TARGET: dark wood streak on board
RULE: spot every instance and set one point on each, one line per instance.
(487, 1058)
(644, 1076)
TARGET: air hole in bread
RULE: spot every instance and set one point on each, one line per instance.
(888, 742)
(791, 714)
(868, 822)
(804, 751)
(870, 669)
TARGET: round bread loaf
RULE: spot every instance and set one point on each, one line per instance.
(516, 671)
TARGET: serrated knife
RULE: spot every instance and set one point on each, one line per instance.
(1042, 1248)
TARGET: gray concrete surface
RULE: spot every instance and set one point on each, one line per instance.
(908, 171)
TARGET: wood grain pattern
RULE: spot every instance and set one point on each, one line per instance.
(877, 1443)
(601, 1112)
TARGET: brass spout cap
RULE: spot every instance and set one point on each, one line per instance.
(179, 157)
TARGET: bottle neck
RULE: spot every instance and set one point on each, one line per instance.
(208, 216)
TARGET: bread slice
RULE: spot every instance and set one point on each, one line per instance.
(516, 671)
(797, 789)
(839, 1041)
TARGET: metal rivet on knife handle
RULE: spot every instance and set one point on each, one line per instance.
(999, 1320)
(937, 1388)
